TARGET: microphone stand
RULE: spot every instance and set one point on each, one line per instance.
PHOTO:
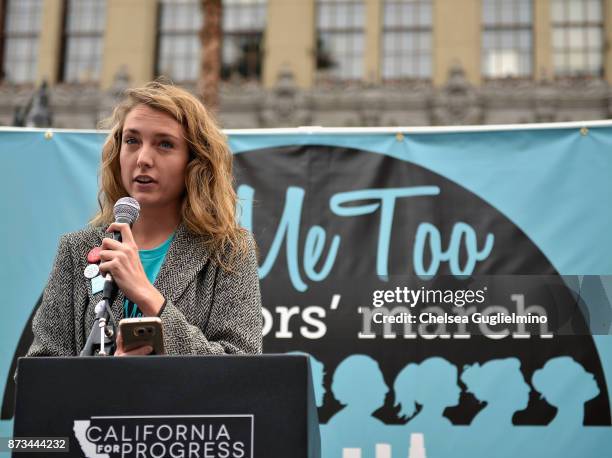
(102, 333)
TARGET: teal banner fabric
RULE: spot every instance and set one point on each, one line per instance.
(348, 223)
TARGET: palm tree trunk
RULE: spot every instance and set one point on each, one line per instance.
(211, 36)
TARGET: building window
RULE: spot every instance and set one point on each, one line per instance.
(577, 37)
(179, 45)
(244, 22)
(22, 22)
(507, 38)
(406, 39)
(340, 38)
(83, 40)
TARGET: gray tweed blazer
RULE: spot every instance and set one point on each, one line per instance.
(208, 309)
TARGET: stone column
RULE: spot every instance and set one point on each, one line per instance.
(129, 40)
(50, 41)
(290, 42)
(373, 33)
(608, 39)
(543, 66)
(456, 39)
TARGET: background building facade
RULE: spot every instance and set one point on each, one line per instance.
(316, 62)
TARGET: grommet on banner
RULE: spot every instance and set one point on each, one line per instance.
(48, 135)
(584, 131)
(399, 137)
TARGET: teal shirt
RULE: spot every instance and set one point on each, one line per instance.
(152, 261)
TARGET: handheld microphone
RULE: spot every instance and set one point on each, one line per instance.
(126, 211)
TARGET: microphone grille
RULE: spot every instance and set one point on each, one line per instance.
(126, 209)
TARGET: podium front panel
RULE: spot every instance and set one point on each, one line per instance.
(154, 406)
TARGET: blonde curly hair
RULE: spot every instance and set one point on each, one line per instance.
(209, 203)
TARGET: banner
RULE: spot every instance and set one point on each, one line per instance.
(452, 287)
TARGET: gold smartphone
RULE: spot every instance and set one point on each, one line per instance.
(137, 332)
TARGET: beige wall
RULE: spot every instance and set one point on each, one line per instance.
(373, 33)
(608, 40)
(130, 36)
(456, 38)
(290, 41)
(129, 40)
(542, 41)
(50, 42)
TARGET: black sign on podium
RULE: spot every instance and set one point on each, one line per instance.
(177, 407)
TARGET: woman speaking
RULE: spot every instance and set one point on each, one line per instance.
(185, 259)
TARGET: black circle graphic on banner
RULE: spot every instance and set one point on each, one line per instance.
(312, 175)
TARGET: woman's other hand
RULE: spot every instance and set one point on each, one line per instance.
(138, 351)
